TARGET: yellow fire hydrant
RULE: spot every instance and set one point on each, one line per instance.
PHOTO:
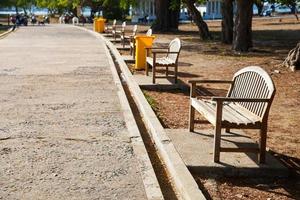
(142, 42)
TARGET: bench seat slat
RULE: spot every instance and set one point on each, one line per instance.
(232, 113)
(160, 61)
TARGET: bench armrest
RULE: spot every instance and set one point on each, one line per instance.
(194, 82)
(160, 51)
(233, 99)
(157, 48)
(209, 81)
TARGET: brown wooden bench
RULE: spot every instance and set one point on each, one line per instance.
(246, 106)
(109, 29)
(168, 61)
(117, 33)
(128, 38)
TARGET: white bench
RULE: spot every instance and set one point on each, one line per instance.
(125, 38)
(246, 106)
(116, 32)
(75, 21)
(168, 61)
(109, 29)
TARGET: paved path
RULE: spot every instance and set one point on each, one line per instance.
(62, 131)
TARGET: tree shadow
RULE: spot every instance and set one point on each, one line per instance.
(292, 163)
(266, 43)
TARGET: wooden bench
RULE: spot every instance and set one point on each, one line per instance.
(128, 38)
(109, 29)
(116, 32)
(132, 43)
(246, 106)
(170, 60)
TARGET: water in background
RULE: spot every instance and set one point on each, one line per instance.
(38, 11)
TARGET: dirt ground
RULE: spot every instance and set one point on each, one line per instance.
(273, 38)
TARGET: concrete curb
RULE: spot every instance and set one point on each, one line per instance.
(185, 184)
(151, 185)
(6, 33)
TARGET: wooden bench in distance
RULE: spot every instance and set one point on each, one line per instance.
(109, 29)
(170, 60)
(246, 106)
(128, 38)
(116, 32)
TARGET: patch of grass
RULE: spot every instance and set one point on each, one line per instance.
(151, 101)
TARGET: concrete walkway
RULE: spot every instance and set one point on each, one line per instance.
(62, 131)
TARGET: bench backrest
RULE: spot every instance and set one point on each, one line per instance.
(174, 46)
(123, 26)
(149, 32)
(134, 30)
(253, 82)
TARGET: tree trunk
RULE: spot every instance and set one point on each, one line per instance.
(260, 6)
(227, 21)
(25, 11)
(242, 35)
(196, 15)
(295, 10)
(293, 59)
(166, 18)
(17, 10)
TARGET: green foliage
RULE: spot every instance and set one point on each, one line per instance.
(151, 101)
(17, 3)
(125, 4)
(111, 8)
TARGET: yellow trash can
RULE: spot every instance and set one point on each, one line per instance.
(95, 25)
(101, 25)
(142, 42)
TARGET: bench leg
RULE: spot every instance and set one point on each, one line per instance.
(192, 119)
(176, 71)
(167, 71)
(153, 74)
(147, 69)
(218, 129)
(154, 68)
(217, 143)
(262, 145)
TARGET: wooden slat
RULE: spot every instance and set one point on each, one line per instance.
(246, 113)
(253, 106)
(259, 94)
(204, 109)
(236, 115)
(240, 149)
(149, 60)
(231, 114)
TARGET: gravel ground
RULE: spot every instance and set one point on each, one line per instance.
(62, 132)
